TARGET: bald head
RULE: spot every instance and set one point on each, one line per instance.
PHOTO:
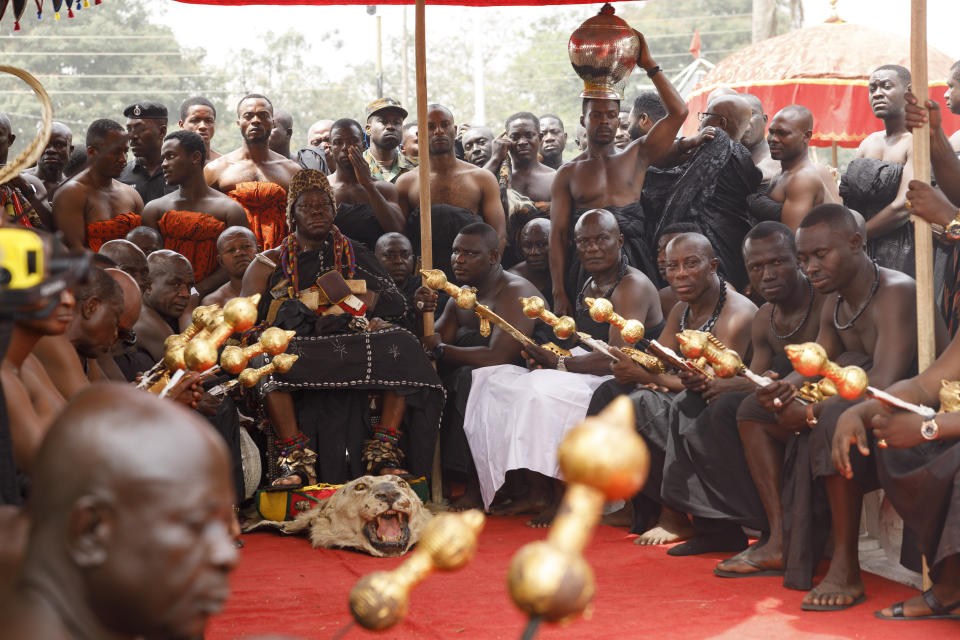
(131, 298)
(319, 133)
(231, 233)
(395, 253)
(130, 506)
(756, 131)
(392, 239)
(798, 114)
(735, 111)
(692, 243)
(171, 278)
(58, 128)
(147, 238)
(600, 219)
(537, 225)
(129, 258)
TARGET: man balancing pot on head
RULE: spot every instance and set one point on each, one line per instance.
(367, 207)
(513, 416)
(801, 184)
(458, 346)
(253, 175)
(193, 217)
(94, 206)
(307, 286)
(460, 193)
(869, 323)
(606, 178)
(705, 470)
(706, 305)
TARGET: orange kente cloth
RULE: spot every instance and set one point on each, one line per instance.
(193, 235)
(266, 207)
(116, 228)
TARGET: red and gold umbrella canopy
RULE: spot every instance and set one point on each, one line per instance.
(825, 68)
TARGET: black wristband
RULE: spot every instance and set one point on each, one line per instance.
(654, 71)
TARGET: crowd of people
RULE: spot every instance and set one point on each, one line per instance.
(735, 231)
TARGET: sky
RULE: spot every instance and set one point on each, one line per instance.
(356, 29)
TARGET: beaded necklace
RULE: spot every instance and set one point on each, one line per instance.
(856, 316)
(803, 321)
(342, 249)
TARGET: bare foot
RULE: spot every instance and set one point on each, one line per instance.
(467, 501)
(833, 595)
(288, 481)
(671, 527)
(621, 518)
(394, 471)
(754, 560)
(545, 517)
(519, 505)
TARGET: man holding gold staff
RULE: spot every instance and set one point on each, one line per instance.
(874, 306)
(515, 417)
(705, 304)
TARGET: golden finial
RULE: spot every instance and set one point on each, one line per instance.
(280, 364)
(535, 308)
(463, 297)
(810, 359)
(834, 15)
(273, 341)
(601, 310)
(695, 344)
(448, 542)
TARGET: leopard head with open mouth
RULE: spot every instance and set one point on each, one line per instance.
(380, 515)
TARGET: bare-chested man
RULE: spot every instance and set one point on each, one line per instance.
(165, 301)
(872, 306)
(606, 178)
(457, 345)
(875, 183)
(477, 145)
(94, 206)
(54, 158)
(705, 304)
(161, 478)
(801, 184)
(282, 133)
(460, 192)
(193, 217)
(198, 114)
(25, 192)
(755, 139)
(366, 207)
(236, 248)
(255, 176)
(147, 238)
(534, 248)
(529, 177)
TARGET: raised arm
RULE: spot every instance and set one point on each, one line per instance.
(660, 139)
(384, 197)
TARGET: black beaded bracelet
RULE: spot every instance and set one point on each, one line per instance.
(654, 71)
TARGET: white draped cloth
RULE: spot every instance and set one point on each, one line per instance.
(516, 418)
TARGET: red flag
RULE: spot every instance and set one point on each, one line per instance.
(695, 44)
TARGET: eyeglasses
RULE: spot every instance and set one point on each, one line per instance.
(704, 114)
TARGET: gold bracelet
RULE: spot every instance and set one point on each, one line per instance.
(952, 230)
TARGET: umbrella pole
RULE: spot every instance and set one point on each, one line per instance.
(923, 237)
(833, 155)
(426, 227)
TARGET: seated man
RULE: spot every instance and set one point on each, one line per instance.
(366, 207)
(253, 175)
(802, 183)
(236, 248)
(667, 297)
(789, 440)
(129, 258)
(23, 196)
(160, 478)
(918, 464)
(705, 472)
(461, 194)
(94, 206)
(125, 359)
(395, 254)
(706, 305)
(343, 359)
(459, 346)
(192, 218)
(147, 238)
(534, 248)
(164, 301)
(516, 418)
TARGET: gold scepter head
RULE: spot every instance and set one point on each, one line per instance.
(695, 344)
(602, 458)
(238, 315)
(810, 359)
(535, 308)
(273, 341)
(199, 318)
(448, 542)
(463, 297)
(601, 310)
(280, 364)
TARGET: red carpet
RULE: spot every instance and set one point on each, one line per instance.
(284, 588)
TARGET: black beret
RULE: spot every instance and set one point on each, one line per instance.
(146, 110)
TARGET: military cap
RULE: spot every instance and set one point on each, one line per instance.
(146, 110)
(384, 104)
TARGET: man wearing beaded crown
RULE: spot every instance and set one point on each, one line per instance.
(604, 177)
(874, 306)
(705, 304)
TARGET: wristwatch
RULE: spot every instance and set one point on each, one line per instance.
(561, 363)
(654, 71)
(952, 230)
(436, 354)
(929, 429)
(811, 417)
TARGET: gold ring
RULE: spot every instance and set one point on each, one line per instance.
(882, 443)
(777, 402)
(908, 204)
